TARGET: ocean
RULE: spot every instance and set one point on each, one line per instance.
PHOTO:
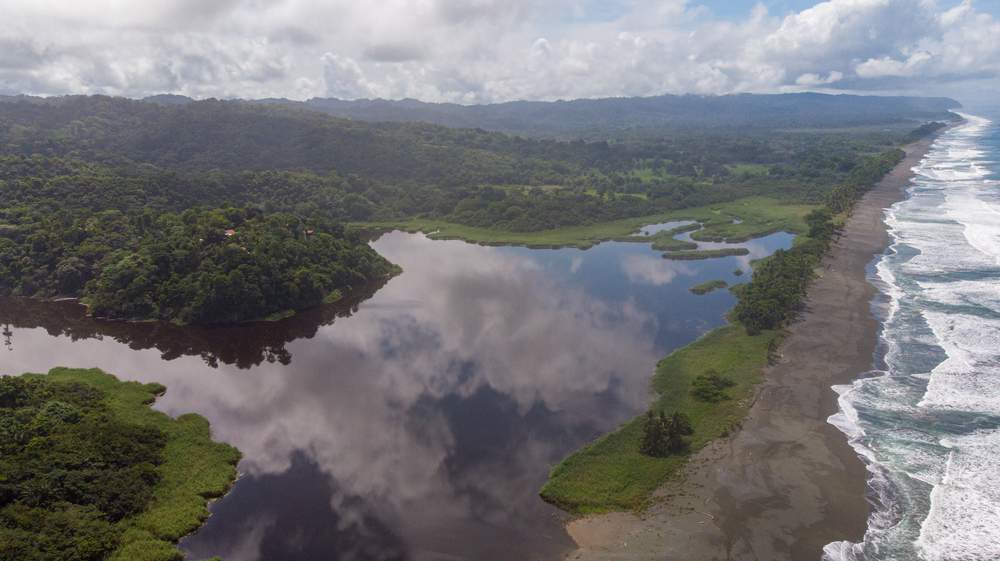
(926, 419)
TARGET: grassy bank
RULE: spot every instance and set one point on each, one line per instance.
(705, 254)
(757, 216)
(706, 287)
(610, 474)
(723, 366)
(190, 469)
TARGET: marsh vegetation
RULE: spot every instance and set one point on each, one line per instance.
(90, 472)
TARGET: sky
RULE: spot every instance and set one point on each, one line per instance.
(487, 51)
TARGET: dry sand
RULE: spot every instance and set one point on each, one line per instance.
(787, 483)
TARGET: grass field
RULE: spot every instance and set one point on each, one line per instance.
(705, 253)
(610, 474)
(755, 169)
(195, 469)
(758, 217)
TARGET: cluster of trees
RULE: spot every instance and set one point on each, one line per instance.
(69, 471)
(862, 179)
(664, 434)
(770, 299)
(224, 265)
(778, 286)
(922, 131)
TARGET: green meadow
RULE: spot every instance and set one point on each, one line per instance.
(710, 286)
(757, 216)
(611, 474)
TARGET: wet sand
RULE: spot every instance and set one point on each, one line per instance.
(787, 483)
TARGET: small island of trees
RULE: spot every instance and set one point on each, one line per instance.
(89, 472)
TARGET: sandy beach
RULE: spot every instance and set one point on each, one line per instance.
(787, 483)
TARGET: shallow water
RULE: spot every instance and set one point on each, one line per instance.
(416, 419)
(927, 419)
(654, 228)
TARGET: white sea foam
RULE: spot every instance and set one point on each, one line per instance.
(846, 419)
(969, 380)
(980, 293)
(889, 288)
(969, 205)
(964, 519)
(927, 427)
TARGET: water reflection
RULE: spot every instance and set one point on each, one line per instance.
(244, 346)
(759, 247)
(291, 516)
(654, 228)
(422, 424)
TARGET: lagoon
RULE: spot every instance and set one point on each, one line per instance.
(415, 419)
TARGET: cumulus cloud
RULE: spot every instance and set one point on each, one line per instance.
(473, 51)
(886, 66)
(344, 78)
(642, 269)
(810, 79)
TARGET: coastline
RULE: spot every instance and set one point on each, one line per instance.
(788, 482)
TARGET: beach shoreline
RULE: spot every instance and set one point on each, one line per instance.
(788, 482)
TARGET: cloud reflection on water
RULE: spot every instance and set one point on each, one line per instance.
(643, 269)
(451, 404)
(434, 411)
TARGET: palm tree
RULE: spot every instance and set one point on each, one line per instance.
(664, 435)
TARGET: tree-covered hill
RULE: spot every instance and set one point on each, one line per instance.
(127, 203)
(231, 136)
(660, 114)
(224, 265)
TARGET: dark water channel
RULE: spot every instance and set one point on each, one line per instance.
(417, 419)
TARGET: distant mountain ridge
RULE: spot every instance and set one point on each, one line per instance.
(598, 119)
(585, 117)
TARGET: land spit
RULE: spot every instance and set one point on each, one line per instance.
(787, 483)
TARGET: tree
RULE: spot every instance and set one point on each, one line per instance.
(664, 435)
(710, 387)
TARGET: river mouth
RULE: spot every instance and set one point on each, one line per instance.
(418, 418)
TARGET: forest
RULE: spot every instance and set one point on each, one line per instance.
(219, 212)
(224, 265)
(778, 285)
(90, 472)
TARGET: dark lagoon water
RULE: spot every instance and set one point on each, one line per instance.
(416, 419)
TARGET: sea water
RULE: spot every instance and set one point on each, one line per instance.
(926, 420)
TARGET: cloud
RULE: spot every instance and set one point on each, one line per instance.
(388, 52)
(815, 80)
(886, 66)
(344, 78)
(473, 51)
(642, 269)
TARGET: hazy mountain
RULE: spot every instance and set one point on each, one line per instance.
(585, 117)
